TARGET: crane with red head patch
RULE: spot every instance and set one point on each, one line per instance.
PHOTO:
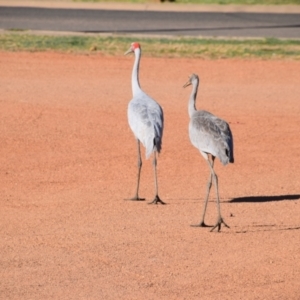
(146, 120)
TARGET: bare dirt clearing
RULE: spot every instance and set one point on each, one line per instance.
(68, 159)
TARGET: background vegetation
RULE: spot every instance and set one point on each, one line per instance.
(212, 48)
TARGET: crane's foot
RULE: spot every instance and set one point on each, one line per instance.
(202, 224)
(219, 223)
(157, 200)
(136, 198)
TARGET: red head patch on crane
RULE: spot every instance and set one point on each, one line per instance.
(133, 46)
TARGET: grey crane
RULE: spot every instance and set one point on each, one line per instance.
(146, 120)
(213, 138)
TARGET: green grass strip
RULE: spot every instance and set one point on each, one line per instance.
(207, 48)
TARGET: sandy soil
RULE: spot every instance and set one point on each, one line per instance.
(68, 161)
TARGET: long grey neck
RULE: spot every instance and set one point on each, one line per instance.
(135, 72)
(193, 96)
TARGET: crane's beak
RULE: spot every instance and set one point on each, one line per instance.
(128, 51)
(187, 83)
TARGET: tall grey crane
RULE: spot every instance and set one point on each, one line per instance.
(146, 120)
(213, 138)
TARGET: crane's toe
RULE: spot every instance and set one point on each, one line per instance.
(157, 200)
(219, 223)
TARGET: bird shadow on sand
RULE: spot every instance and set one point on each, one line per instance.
(265, 227)
(259, 199)
(246, 199)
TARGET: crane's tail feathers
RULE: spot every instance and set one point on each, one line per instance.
(157, 141)
(157, 144)
(226, 157)
(153, 145)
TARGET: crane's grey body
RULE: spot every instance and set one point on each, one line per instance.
(211, 134)
(213, 138)
(146, 120)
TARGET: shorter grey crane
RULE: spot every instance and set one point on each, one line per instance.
(146, 120)
(213, 138)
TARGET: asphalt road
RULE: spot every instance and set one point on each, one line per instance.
(226, 24)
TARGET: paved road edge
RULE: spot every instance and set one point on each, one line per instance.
(155, 6)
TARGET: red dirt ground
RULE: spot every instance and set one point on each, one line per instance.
(68, 160)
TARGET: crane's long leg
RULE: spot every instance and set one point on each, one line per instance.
(209, 182)
(220, 220)
(139, 165)
(156, 198)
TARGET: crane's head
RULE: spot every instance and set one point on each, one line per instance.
(133, 46)
(192, 79)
